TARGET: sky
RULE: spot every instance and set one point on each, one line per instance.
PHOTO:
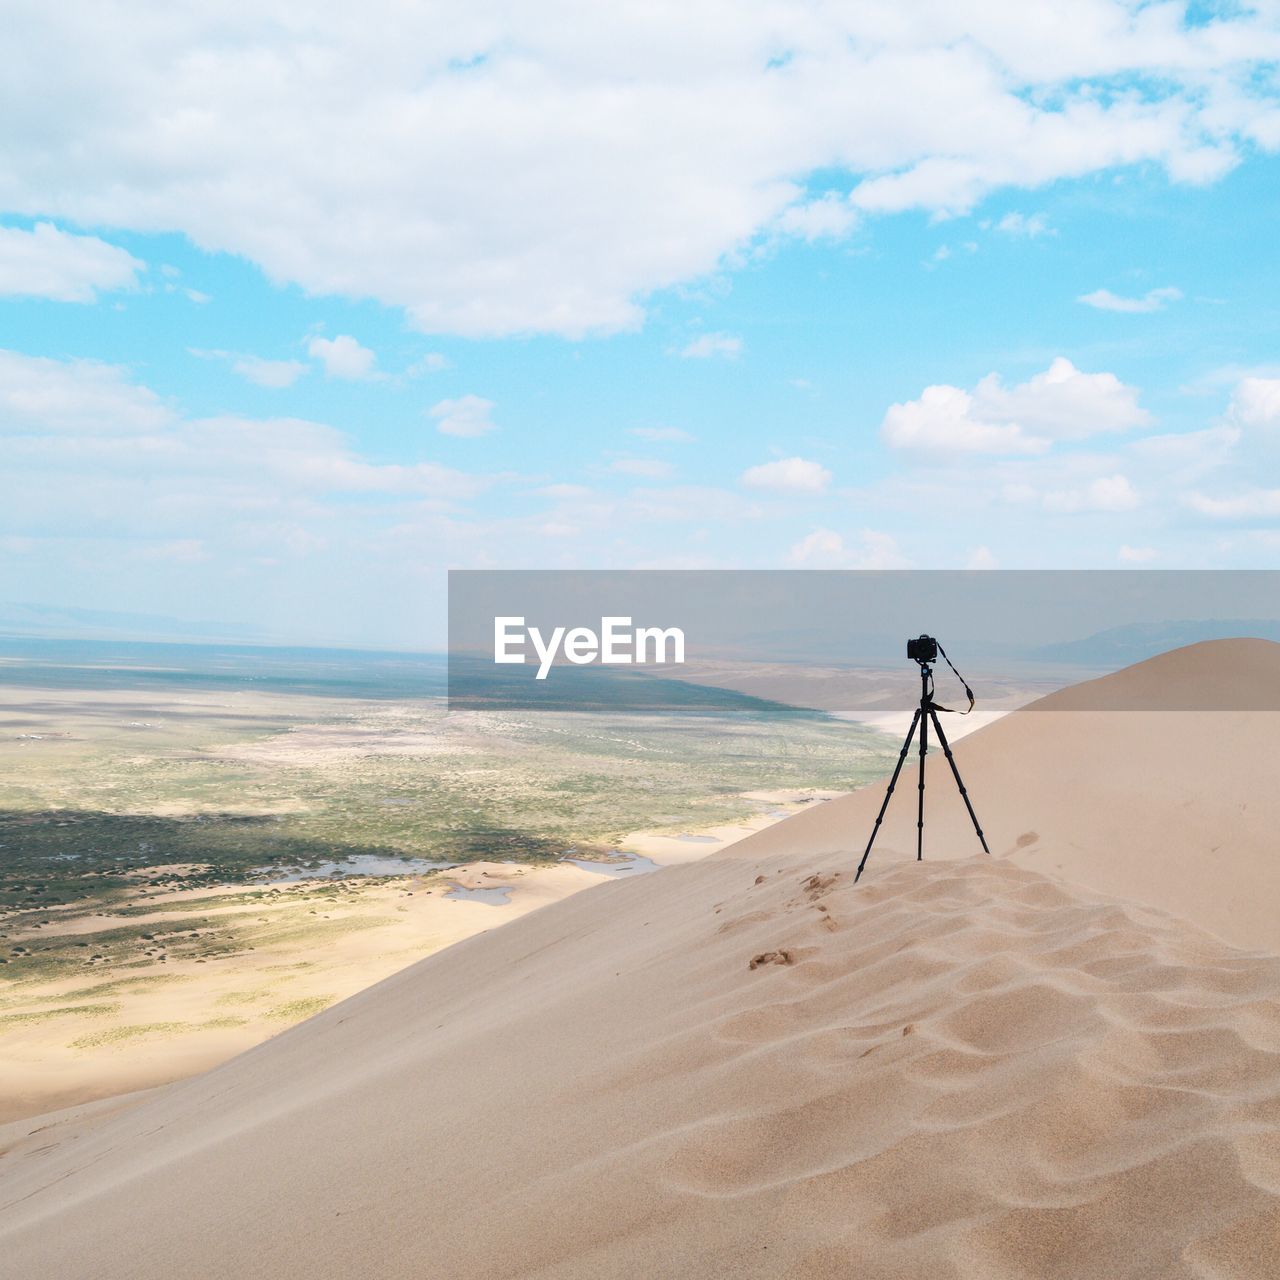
(302, 305)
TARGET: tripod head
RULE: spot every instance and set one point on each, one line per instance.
(923, 649)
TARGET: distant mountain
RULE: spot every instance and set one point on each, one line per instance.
(21, 619)
(1137, 641)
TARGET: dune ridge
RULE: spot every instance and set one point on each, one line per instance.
(747, 1066)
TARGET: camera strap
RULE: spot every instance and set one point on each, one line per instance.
(963, 681)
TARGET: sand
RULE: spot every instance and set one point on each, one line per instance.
(746, 1066)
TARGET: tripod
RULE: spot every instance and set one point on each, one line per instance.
(925, 712)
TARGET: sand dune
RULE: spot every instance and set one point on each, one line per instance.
(746, 1066)
(956, 1070)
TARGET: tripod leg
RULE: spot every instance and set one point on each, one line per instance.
(951, 760)
(902, 755)
(924, 747)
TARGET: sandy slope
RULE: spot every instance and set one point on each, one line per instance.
(956, 1070)
(748, 1067)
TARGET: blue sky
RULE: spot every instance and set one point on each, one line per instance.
(297, 313)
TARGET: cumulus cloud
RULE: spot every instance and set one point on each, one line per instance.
(1136, 555)
(1020, 224)
(74, 396)
(1062, 403)
(1106, 493)
(275, 374)
(827, 218)
(342, 357)
(86, 452)
(1152, 300)
(1248, 504)
(713, 344)
(826, 549)
(593, 153)
(47, 262)
(944, 419)
(1255, 402)
(432, 362)
(464, 416)
(788, 475)
(1227, 457)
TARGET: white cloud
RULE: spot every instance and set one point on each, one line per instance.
(80, 415)
(944, 419)
(1020, 224)
(342, 357)
(1232, 454)
(1062, 403)
(194, 295)
(268, 373)
(981, 558)
(826, 549)
(105, 477)
(788, 475)
(1136, 555)
(594, 153)
(1189, 452)
(1152, 300)
(1107, 493)
(1251, 504)
(74, 396)
(650, 468)
(464, 416)
(713, 344)
(47, 262)
(663, 435)
(1256, 402)
(275, 374)
(432, 362)
(829, 217)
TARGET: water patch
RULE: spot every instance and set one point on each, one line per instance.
(628, 864)
(688, 839)
(496, 896)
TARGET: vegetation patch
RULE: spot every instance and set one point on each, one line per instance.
(62, 1011)
(297, 1010)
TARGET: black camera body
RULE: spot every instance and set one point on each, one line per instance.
(922, 649)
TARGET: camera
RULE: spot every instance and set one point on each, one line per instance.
(922, 649)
